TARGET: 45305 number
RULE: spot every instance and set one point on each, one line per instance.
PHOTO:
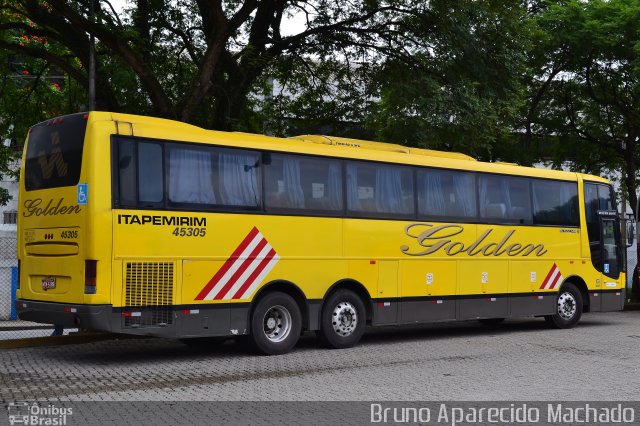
(69, 234)
(190, 232)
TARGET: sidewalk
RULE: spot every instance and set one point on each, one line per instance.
(6, 325)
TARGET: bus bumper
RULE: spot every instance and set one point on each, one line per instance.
(177, 321)
(90, 317)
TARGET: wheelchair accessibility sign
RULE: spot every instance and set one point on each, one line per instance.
(83, 193)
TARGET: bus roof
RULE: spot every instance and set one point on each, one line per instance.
(331, 146)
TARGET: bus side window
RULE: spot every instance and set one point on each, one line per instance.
(150, 174)
(505, 199)
(446, 194)
(190, 174)
(238, 178)
(381, 189)
(555, 203)
(127, 165)
(283, 186)
(296, 182)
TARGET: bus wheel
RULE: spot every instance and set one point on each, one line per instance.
(343, 320)
(568, 308)
(275, 324)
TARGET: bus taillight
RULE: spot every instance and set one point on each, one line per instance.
(90, 270)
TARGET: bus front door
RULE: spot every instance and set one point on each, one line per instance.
(612, 262)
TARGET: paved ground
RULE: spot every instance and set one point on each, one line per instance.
(10, 330)
(520, 360)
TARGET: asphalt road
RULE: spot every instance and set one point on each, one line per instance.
(518, 360)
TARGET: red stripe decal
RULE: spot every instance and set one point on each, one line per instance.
(555, 280)
(255, 274)
(227, 264)
(544, 283)
(243, 267)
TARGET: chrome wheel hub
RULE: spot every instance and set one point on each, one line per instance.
(277, 323)
(567, 306)
(344, 319)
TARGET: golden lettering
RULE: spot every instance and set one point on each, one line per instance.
(36, 207)
(432, 239)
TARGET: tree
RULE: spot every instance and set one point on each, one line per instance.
(32, 91)
(198, 61)
(463, 90)
(588, 90)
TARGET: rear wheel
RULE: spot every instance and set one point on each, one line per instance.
(568, 307)
(343, 320)
(276, 323)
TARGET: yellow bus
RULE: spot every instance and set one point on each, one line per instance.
(147, 226)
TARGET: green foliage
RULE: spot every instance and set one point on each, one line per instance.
(32, 90)
(462, 90)
(497, 79)
(591, 106)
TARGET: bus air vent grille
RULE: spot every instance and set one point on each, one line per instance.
(149, 286)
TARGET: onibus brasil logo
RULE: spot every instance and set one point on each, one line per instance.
(24, 413)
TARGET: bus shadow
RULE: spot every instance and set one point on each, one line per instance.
(133, 351)
(463, 329)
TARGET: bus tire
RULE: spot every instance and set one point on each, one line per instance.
(568, 307)
(343, 320)
(276, 324)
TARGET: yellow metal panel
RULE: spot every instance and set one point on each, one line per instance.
(428, 278)
(387, 279)
(528, 275)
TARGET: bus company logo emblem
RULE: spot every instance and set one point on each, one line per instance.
(243, 271)
(554, 277)
(37, 207)
(18, 413)
(432, 239)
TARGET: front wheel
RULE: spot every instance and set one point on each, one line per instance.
(568, 308)
(343, 320)
(276, 323)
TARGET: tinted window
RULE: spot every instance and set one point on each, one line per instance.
(555, 203)
(213, 176)
(505, 199)
(237, 177)
(127, 173)
(140, 174)
(190, 175)
(150, 181)
(296, 182)
(379, 188)
(54, 153)
(446, 194)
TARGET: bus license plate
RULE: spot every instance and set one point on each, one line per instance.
(48, 283)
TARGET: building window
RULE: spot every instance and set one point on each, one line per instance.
(10, 217)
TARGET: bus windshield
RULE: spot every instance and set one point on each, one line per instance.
(54, 153)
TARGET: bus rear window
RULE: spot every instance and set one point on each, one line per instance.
(54, 153)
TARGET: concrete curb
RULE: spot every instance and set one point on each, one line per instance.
(71, 339)
(21, 327)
